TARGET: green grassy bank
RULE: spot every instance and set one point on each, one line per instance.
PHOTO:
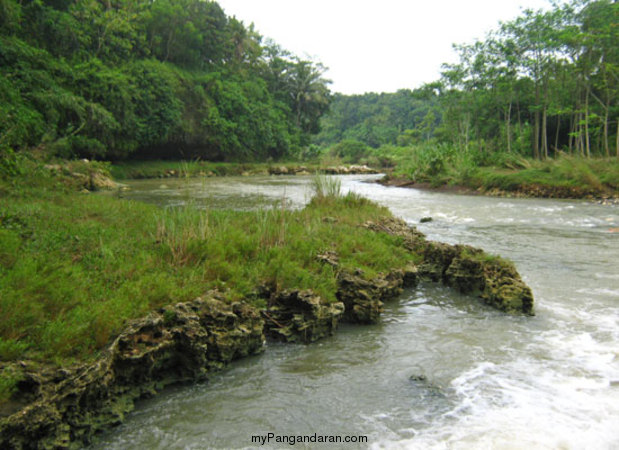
(442, 165)
(75, 267)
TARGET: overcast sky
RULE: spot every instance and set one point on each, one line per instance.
(376, 45)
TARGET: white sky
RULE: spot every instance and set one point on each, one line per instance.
(376, 45)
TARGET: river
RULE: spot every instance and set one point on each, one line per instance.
(440, 370)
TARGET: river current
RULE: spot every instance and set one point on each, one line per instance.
(440, 371)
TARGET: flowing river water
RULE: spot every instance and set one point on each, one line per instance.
(440, 370)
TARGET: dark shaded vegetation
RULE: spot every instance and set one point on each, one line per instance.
(169, 79)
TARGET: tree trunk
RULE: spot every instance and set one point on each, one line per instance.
(536, 120)
(588, 143)
(580, 148)
(508, 127)
(168, 45)
(606, 149)
(519, 119)
(557, 134)
(544, 134)
(570, 138)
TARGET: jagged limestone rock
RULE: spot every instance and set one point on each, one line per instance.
(300, 316)
(465, 273)
(505, 290)
(360, 297)
(468, 269)
(363, 299)
(178, 343)
(437, 257)
(410, 276)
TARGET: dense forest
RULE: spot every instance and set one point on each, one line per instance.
(118, 79)
(378, 119)
(543, 83)
(111, 79)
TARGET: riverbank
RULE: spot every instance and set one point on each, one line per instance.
(564, 178)
(528, 191)
(436, 165)
(80, 270)
(196, 168)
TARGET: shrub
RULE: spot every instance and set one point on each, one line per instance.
(350, 150)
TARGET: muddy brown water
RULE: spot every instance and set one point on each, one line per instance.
(440, 370)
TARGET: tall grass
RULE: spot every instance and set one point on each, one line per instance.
(324, 186)
(440, 164)
(177, 229)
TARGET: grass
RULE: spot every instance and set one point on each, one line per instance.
(587, 176)
(439, 164)
(75, 267)
(324, 186)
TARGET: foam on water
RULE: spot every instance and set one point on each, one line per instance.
(523, 405)
(560, 391)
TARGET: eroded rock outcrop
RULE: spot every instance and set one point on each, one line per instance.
(84, 175)
(331, 170)
(349, 170)
(467, 269)
(300, 316)
(178, 343)
(363, 298)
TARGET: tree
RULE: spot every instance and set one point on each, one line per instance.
(168, 78)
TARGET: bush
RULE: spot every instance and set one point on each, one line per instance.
(12, 164)
(350, 150)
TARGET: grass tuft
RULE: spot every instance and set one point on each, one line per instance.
(326, 187)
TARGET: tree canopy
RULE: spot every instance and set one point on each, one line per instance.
(172, 78)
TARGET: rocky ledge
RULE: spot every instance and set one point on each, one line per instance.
(467, 269)
(300, 316)
(60, 408)
(331, 170)
(66, 407)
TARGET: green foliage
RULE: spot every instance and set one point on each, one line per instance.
(9, 377)
(350, 150)
(375, 119)
(12, 349)
(540, 85)
(12, 164)
(440, 164)
(172, 78)
(157, 108)
(10, 13)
